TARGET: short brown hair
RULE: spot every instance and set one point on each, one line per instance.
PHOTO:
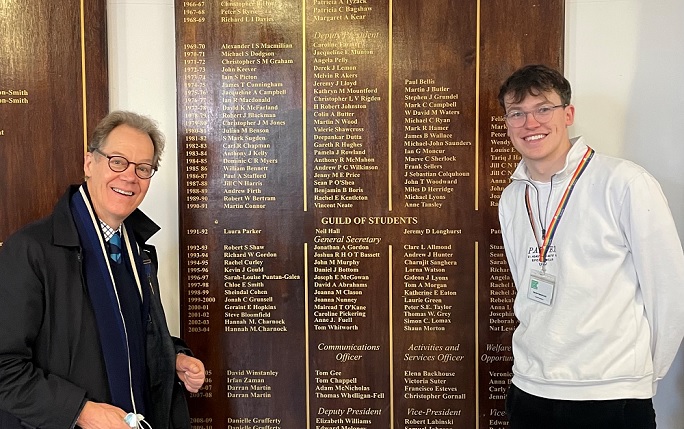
(533, 80)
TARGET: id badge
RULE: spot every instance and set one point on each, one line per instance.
(541, 288)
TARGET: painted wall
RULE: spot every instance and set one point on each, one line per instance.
(623, 58)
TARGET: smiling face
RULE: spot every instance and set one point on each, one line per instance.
(117, 195)
(543, 147)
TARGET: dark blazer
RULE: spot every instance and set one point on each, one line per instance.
(50, 355)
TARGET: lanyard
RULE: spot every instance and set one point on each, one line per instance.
(553, 226)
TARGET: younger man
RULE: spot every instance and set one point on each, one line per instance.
(598, 267)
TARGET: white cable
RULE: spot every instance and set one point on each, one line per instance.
(131, 418)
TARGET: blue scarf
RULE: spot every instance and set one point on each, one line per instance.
(126, 377)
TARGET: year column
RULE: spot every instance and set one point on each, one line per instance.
(193, 153)
(194, 119)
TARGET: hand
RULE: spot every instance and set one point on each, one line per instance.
(190, 371)
(97, 415)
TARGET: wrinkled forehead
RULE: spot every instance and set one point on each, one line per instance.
(126, 140)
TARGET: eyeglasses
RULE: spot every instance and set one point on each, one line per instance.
(119, 164)
(542, 114)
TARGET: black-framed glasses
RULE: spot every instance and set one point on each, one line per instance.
(542, 114)
(119, 164)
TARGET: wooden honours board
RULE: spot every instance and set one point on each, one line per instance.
(340, 165)
(53, 91)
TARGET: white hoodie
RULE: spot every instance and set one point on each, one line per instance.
(617, 316)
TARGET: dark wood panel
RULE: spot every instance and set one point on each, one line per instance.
(46, 46)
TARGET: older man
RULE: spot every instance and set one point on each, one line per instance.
(84, 340)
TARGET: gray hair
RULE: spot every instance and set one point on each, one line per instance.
(141, 123)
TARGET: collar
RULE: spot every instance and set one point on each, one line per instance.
(573, 157)
(108, 231)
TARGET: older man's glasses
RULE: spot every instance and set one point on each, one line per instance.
(542, 114)
(119, 164)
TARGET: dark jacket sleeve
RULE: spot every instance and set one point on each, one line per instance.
(41, 399)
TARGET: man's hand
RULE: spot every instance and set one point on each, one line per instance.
(190, 371)
(97, 415)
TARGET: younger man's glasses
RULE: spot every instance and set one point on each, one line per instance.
(542, 114)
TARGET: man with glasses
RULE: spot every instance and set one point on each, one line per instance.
(598, 268)
(84, 340)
